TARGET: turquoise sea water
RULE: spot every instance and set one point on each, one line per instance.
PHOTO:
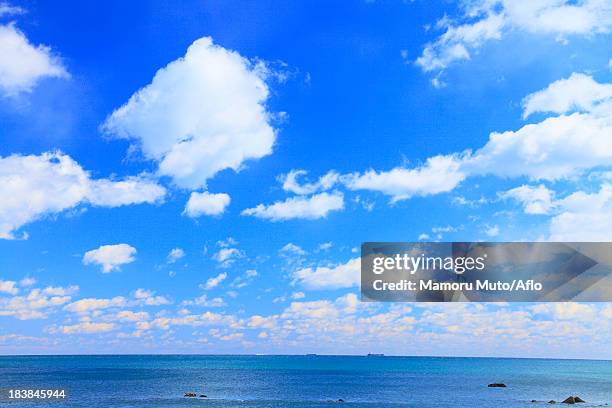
(307, 381)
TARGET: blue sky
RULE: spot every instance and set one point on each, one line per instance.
(199, 178)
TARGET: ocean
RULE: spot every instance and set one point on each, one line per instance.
(306, 381)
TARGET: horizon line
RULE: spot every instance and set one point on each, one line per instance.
(369, 355)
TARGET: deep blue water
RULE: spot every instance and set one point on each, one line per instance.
(307, 381)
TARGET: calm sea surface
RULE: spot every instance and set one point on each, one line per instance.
(307, 381)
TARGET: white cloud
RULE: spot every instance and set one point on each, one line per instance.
(438, 175)
(9, 287)
(8, 10)
(487, 20)
(110, 257)
(535, 200)
(215, 281)
(298, 295)
(453, 45)
(206, 203)
(227, 242)
(87, 328)
(149, 298)
(60, 291)
(583, 216)
(132, 190)
(227, 337)
(23, 64)
(206, 318)
(317, 310)
(444, 229)
(354, 327)
(293, 249)
(367, 205)
(340, 276)
(203, 301)
(260, 322)
(32, 187)
(227, 256)
(460, 200)
(558, 147)
(142, 293)
(291, 183)
(130, 316)
(348, 325)
(492, 231)
(37, 303)
(580, 216)
(325, 246)
(19, 339)
(202, 113)
(566, 311)
(243, 280)
(175, 254)
(27, 281)
(313, 207)
(579, 92)
(91, 304)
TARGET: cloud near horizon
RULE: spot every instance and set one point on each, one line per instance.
(327, 326)
(345, 275)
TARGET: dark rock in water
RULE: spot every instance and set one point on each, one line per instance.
(573, 400)
(569, 400)
(203, 396)
(552, 402)
(191, 394)
(497, 385)
(340, 400)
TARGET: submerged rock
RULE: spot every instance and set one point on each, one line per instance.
(497, 385)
